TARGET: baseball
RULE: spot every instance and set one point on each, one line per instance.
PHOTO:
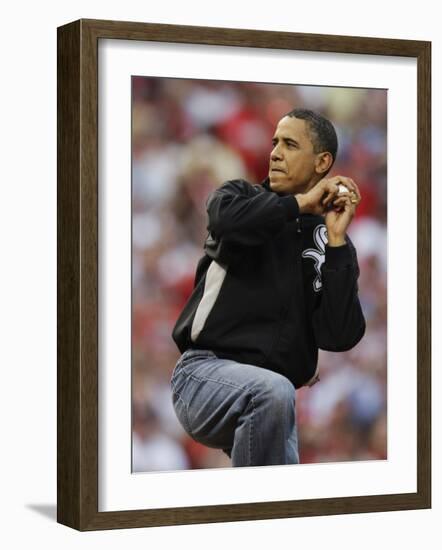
(343, 190)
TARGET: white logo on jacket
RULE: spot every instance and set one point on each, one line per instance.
(317, 254)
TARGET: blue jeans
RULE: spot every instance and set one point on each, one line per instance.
(247, 411)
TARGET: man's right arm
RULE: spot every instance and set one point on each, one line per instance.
(245, 214)
(242, 215)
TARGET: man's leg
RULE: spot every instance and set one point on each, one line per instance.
(247, 411)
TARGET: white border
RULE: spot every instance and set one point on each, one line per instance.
(119, 489)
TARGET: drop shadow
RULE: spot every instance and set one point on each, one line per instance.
(47, 510)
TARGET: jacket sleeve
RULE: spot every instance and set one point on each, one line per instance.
(245, 214)
(338, 321)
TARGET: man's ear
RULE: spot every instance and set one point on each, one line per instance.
(323, 162)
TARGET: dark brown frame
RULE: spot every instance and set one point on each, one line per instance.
(77, 279)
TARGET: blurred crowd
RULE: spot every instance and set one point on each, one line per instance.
(188, 137)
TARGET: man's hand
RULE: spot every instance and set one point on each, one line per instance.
(320, 197)
(339, 209)
(338, 218)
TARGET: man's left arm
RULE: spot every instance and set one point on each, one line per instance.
(338, 322)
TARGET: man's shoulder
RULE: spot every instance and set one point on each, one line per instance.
(241, 185)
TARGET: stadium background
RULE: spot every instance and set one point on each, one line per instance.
(188, 136)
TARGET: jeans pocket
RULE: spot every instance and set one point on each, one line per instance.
(174, 375)
(188, 358)
(177, 370)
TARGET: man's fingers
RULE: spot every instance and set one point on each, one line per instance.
(353, 188)
(328, 198)
(332, 193)
(356, 191)
(331, 190)
(344, 202)
(339, 201)
(340, 205)
(351, 205)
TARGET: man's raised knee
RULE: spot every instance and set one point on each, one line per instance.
(275, 388)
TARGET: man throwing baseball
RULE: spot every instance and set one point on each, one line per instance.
(277, 281)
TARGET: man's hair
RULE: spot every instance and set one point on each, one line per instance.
(322, 131)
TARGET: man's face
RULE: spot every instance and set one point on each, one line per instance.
(292, 160)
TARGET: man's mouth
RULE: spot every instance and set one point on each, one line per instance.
(277, 170)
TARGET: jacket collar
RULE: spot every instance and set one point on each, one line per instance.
(266, 184)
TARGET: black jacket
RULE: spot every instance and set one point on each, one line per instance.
(269, 291)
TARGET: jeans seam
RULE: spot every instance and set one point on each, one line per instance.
(203, 354)
(186, 414)
(252, 429)
(182, 363)
(218, 380)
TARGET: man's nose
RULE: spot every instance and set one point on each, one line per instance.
(276, 153)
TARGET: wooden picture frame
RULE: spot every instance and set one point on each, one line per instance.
(77, 280)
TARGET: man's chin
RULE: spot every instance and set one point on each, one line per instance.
(278, 186)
